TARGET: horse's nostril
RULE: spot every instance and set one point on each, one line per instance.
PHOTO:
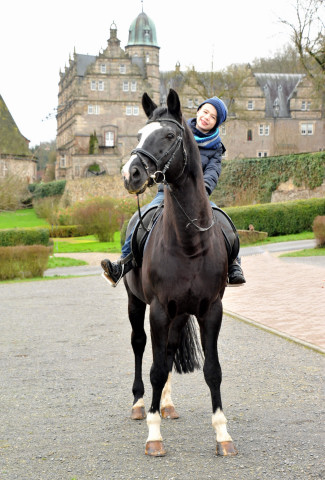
(135, 172)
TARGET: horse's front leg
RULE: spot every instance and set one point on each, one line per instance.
(138, 341)
(210, 327)
(158, 377)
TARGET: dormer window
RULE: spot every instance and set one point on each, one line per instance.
(250, 105)
(103, 68)
(122, 68)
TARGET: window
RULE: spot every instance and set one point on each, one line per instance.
(147, 58)
(109, 139)
(307, 129)
(93, 109)
(132, 110)
(62, 161)
(133, 86)
(305, 105)
(190, 103)
(249, 135)
(264, 129)
(93, 85)
(100, 85)
(103, 68)
(122, 68)
(262, 154)
(250, 105)
(125, 86)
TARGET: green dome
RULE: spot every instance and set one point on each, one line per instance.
(142, 31)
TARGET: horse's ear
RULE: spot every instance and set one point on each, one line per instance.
(173, 104)
(148, 105)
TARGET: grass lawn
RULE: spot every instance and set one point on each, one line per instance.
(86, 244)
(284, 238)
(25, 218)
(55, 262)
(310, 252)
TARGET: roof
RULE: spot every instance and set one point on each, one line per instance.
(83, 62)
(12, 142)
(278, 89)
(142, 32)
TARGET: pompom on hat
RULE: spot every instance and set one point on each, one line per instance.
(219, 106)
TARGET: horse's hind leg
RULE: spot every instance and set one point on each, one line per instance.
(167, 406)
(210, 327)
(137, 310)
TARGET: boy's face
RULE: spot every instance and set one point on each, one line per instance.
(206, 118)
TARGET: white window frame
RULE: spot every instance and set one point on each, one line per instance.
(133, 86)
(103, 68)
(93, 85)
(264, 129)
(90, 110)
(305, 105)
(125, 86)
(101, 85)
(307, 129)
(93, 109)
(128, 110)
(136, 110)
(109, 139)
(63, 162)
(122, 68)
(262, 154)
(147, 58)
(250, 105)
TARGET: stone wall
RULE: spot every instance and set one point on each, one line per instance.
(81, 189)
(288, 191)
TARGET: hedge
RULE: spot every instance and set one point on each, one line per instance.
(65, 231)
(35, 236)
(278, 218)
(23, 261)
(50, 189)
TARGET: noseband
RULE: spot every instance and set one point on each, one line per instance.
(159, 175)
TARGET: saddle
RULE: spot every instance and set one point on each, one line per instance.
(142, 229)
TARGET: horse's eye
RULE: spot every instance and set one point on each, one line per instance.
(170, 135)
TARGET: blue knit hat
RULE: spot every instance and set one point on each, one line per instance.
(219, 106)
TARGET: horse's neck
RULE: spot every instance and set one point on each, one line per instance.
(184, 205)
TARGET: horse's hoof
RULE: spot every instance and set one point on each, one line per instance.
(169, 412)
(138, 413)
(226, 449)
(155, 449)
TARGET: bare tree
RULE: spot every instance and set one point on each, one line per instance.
(308, 36)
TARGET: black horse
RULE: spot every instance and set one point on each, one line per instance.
(183, 273)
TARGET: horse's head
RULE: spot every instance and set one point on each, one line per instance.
(160, 153)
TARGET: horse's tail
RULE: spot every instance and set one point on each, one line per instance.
(189, 355)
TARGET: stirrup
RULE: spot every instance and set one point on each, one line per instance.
(110, 281)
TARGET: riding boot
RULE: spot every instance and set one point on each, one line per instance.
(235, 275)
(114, 271)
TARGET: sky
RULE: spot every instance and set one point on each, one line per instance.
(37, 37)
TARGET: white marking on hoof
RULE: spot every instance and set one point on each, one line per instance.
(153, 422)
(219, 423)
(139, 403)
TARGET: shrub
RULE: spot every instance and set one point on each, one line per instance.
(319, 230)
(47, 208)
(23, 261)
(49, 189)
(65, 231)
(278, 218)
(32, 236)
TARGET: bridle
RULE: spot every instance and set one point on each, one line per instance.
(159, 175)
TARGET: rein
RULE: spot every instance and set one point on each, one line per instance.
(159, 175)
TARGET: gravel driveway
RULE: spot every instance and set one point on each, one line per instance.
(66, 369)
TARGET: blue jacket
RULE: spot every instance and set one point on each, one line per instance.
(211, 160)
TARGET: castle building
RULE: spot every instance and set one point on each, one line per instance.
(99, 107)
(99, 110)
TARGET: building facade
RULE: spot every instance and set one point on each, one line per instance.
(99, 109)
(15, 157)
